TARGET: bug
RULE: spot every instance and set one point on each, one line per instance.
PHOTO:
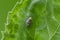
(28, 21)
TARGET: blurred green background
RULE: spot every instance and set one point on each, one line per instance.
(5, 6)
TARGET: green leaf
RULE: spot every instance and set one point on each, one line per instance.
(5, 6)
(45, 24)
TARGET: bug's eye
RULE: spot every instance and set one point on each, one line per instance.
(28, 21)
